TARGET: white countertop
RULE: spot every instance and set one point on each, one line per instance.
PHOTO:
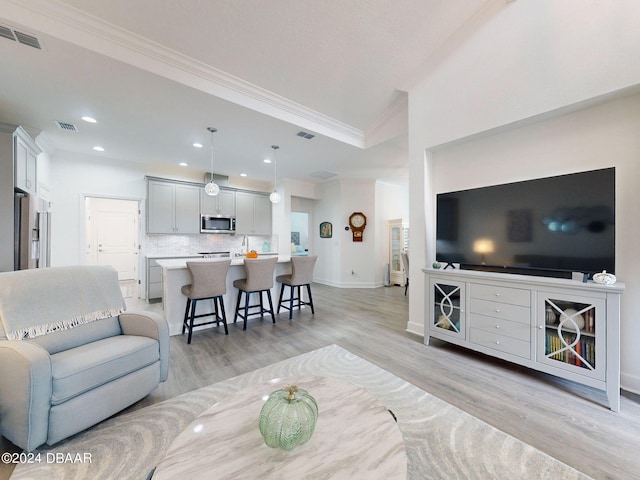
(185, 255)
(176, 263)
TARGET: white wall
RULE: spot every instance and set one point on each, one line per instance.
(350, 264)
(546, 70)
(531, 58)
(72, 177)
(329, 251)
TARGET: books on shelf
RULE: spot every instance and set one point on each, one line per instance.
(582, 354)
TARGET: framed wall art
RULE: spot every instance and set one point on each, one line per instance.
(326, 230)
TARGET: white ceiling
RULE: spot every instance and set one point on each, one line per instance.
(156, 73)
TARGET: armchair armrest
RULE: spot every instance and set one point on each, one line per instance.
(152, 325)
(25, 393)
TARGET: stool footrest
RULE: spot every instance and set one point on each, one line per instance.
(295, 300)
(248, 307)
(218, 313)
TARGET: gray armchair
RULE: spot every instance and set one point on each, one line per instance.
(70, 356)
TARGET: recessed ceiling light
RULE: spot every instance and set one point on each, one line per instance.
(243, 174)
(183, 164)
(197, 145)
(89, 119)
(98, 148)
(266, 160)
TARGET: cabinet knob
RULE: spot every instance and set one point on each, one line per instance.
(497, 326)
(497, 294)
(540, 327)
(497, 310)
(497, 342)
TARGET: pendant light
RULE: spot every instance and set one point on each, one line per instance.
(212, 188)
(275, 196)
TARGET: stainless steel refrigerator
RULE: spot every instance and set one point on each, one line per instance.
(32, 232)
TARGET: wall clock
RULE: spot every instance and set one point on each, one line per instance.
(357, 222)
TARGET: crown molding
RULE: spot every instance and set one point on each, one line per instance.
(87, 31)
(7, 127)
(391, 122)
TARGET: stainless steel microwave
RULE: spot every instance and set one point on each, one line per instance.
(217, 224)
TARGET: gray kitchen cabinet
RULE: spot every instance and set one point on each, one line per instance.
(6, 201)
(173, 207)
(154, 282)
(222, 204)
(25, 158)
(253, 213)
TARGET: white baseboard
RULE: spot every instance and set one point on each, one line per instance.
(347, 284)
(630, 383)
(417, 328)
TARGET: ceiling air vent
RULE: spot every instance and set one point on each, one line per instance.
(323, 174)
(306, 135)
(69, 127)
(21, 37)
(6, 32)
(28, 40)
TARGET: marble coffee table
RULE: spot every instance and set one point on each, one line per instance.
(355, 437)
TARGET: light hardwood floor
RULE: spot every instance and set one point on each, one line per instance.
(561, 418)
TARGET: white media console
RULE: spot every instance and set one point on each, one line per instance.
(565, 328)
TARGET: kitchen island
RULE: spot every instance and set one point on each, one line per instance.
(175, 274)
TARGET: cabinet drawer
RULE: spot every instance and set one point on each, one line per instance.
(514, 296)
(507, 311)
(501, 343)
(499, 326)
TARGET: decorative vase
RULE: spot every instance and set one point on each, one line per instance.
(604, 278)
(288, 418)
(572, 314)
(550, 316)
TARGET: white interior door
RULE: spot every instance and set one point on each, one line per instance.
(112, 235)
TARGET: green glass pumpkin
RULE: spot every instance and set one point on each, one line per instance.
(288, 418)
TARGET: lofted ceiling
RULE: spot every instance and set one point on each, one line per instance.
(156, 74)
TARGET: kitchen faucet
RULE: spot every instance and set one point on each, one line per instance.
(245, 243)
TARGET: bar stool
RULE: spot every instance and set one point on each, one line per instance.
(208, 282)
(259, 279)
(301, 275)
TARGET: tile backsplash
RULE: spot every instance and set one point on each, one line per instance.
(179, 245)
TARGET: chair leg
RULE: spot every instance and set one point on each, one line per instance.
(291, 298)
(406, 285)
(215, 311)
(235, 317)
(310, 298)
(186, 315)
(193, 312)
(224, 315)
(273, 317)
(261, 305)
(247, 295)
(280, 299)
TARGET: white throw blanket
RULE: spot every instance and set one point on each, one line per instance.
(40, 301)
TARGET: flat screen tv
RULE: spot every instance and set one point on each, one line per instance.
(548, 226)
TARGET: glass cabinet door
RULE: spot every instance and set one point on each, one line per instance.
(572, 334)
(447, 301)
(396, 247)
